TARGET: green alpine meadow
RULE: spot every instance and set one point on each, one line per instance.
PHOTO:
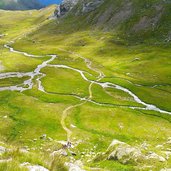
(85, 85)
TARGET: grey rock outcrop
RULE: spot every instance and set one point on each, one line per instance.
(85, 6)
(124, 153)
(91, 6)
(127, 154)
(65, 7)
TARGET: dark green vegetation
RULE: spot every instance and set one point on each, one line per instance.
(144, 70)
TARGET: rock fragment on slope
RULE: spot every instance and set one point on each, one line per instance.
(76, 166)
(2, 150)
(65, 7)
(91, 6)
(154, 156)
(33, 167)
(165, 169)
(124, 153)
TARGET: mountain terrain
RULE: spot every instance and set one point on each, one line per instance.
(143, 20)
(86, 85)
(20, 4)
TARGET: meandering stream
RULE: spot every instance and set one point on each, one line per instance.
(37, 75)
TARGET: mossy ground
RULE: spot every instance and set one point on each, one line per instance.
(33, 113)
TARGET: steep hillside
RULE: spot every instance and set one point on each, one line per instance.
(134, 20)
(20, 4)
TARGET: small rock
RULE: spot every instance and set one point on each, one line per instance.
(26, 148)
(59, 152)
(2, 150)
(169, 140)
(144, 145)
(159, 146)
(48, 150)
(6, 160)
(50, 139)
(23, 150)
(169, 169)
(136, 59)
(168, 154)
(155, 156)
(33, 167)
(121, 126)
(43, 137)
(2, 35)
(77, 166)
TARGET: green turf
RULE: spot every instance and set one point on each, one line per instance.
(26, 116)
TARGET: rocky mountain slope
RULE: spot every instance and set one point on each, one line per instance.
(20, 4)
(131, 19)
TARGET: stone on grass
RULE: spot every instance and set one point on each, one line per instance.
(6, 160)
(61, 152)
(154, 156)
(43, 137)
(2, 150)
(169, 169)
(124, 153)
(33, 167)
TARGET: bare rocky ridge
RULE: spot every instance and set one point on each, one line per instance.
(86, 6)
(65, 7)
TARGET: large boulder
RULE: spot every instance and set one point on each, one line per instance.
(124, 153)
